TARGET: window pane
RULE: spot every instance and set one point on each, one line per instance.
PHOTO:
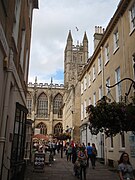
(58, 128)
(58, 101)
(43, 128)
(42, 110)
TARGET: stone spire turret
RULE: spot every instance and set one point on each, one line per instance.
(70, 36)
(68, 59)
(85, 47)
(36, 80)
(85, 37)
(69, 41)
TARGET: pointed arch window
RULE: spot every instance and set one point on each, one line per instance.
(58, 129)
(43, 128)
(58, 101)
(42, 106)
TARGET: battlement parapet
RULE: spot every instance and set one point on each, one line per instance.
(45, 85)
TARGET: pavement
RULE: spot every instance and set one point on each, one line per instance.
(61, 169)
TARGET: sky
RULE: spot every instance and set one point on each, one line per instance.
(50, 28)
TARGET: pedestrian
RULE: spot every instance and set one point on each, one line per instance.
(76, 166)
(74, 153)
(69, 152)
(94, 154)
(61, 148)
(89, 153)
(83, 145)
(50, 158)
(125, 170)
(54, 147)
(82, 158)
(58, 147)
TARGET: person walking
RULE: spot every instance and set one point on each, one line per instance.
(74, 153)
(54, 147)
(58, 147)
(82, 158)
(76, 164)
(93, 156)
(69, 152)
(125, 169)
(89, 153)
(83, 145)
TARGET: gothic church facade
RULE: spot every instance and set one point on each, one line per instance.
(52, 106)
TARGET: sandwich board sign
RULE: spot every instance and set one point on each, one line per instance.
(39, 161)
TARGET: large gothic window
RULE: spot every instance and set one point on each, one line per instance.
(58, 128)
(57, 104)
(42, 106)
(43, 128)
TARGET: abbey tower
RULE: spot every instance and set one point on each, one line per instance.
(74, 61)
(75, 58)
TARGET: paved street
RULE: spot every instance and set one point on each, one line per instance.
(63, 170)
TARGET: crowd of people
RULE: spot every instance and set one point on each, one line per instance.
(82, 157)
(77, 153)
(49, 148)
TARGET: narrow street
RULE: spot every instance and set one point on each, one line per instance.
(63, 170)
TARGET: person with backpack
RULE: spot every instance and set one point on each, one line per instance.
(82, 158)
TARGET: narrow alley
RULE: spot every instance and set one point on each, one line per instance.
(63, 170)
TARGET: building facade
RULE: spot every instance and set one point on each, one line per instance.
(113, 59)
(45, 103)
(15, 36)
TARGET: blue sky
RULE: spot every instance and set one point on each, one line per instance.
(51, 24)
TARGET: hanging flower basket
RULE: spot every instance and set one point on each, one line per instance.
(111, 118)
(63, 136)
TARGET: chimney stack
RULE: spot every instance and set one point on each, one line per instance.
(99, 31)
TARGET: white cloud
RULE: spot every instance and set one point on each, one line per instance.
(51, 24)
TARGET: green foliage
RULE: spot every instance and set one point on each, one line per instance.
(63, 136)
(111, 118)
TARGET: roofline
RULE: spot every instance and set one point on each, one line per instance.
(122, 6)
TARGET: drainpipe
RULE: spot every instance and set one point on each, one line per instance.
(86, 134)
(103, 148)
(103, 84)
